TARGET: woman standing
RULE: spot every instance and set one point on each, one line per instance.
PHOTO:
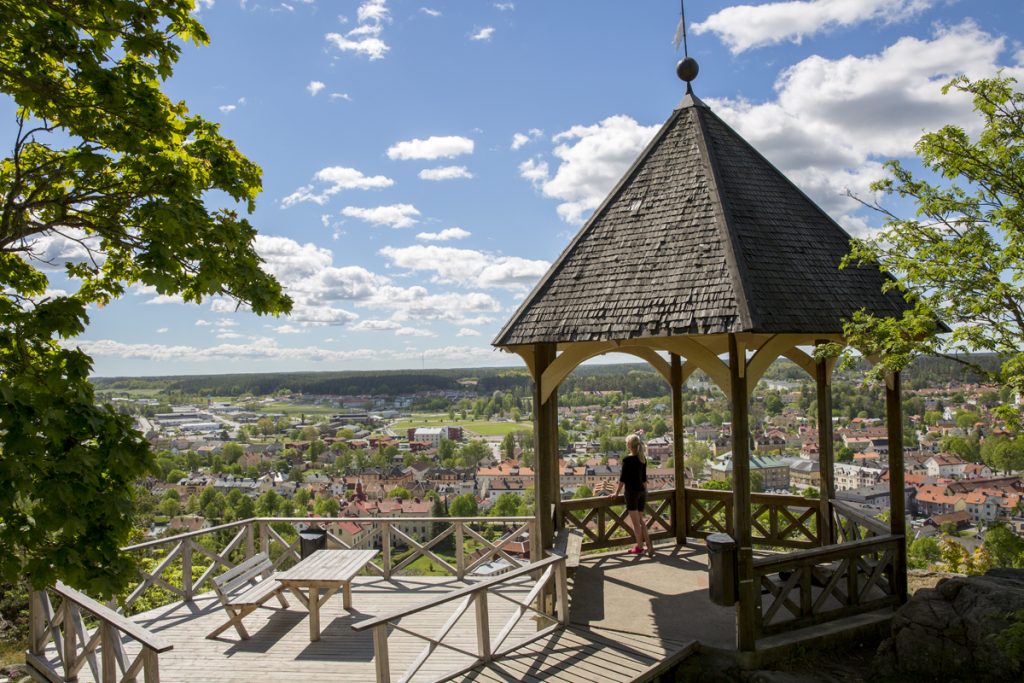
(634, 479)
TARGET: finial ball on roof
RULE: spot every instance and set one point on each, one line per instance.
(687, 69)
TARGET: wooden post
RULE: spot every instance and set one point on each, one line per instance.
(897, 504)
(460, 557)
(186, 569)
(385, 547)
(38, 622)
(741, 496)
(380, 653)
(150, 666)
(562, 593)
(483, 626)
(826, 453)
(680, 509)
(108, 672)
(250, 539)
(545, 443)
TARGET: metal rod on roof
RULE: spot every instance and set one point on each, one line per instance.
(681, 29)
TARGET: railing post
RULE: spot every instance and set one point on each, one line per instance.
(250, 540)
(483, 626)
(562, 593)
(264, 538)
(186, 568)
(37, 622)
(108, 652)
(679, 511)
(150, 666)
(380, 653)
(460, 557)
(69, 640)
(385, 547)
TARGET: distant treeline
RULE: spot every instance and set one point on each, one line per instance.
(637, 379)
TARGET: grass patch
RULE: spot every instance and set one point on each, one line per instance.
(472, 427)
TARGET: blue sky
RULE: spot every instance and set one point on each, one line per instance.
(425, 161)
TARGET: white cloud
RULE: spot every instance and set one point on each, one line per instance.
(259, 349)
(53, 249)
(444, 235)
(468, 332)
(504, 6)
(203, 323)
(315, 87)
(520, 139)
(288, 329)
(228, 335)
(430, 12)
(336, 178)
(365, 38)
(743, 27)
(414, 332)
(375, 326)
(289, 261)
(434, 147)
(468, 267)
(228, 108)
(162, 330)
(483, 34)
(833, 121)
(593, 159)
(164, 299)
(394, 215)
(445, 173)
(334, 96)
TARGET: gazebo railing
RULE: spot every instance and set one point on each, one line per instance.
(181, 567)
(777, 520)
(809, 587)
(853, 525)
(604, 523)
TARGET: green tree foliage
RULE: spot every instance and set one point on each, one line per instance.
(232, 451)
(1003, 454)
(464, 506)
(923, 553)
(326, 507)
(508, 446)
(103, 159)
(583, 492)
(960, 256)
(473, 452)
(399, 493)
(506, 505)
(1004, 547)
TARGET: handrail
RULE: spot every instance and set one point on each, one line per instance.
(851, 512)
(812, 555)
(148, 639)
(454, 595)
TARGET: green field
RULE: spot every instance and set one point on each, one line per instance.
(291, 409)
(479, 427)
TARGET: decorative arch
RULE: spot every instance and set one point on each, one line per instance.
(575, 354)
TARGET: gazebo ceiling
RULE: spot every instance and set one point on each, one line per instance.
(702, 236)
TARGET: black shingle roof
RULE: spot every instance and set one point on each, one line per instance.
(701, 236)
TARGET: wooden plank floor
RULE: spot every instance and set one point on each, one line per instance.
(280, 650)
(632, 617)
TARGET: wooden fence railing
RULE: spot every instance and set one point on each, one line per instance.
(812, 586)
(76, 645)
(853, 525)
(603, 520)
(777, 520)
(184, 565)
(552, 573)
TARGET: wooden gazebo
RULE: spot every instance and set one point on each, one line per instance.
(705, 252)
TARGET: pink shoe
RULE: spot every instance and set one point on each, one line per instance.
(635, 550)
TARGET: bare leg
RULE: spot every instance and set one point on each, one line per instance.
(637, 524)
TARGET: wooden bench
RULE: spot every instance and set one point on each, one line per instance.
(243, 588)
(568, 544)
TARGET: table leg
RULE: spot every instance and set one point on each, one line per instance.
(314, 614)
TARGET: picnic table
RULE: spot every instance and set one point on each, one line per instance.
(326, 570)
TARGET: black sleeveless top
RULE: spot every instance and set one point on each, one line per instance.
(634, 473)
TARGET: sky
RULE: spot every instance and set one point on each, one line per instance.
(425, 161)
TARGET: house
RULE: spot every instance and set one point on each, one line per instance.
(945, 465)
(772, 473)
(804, 473)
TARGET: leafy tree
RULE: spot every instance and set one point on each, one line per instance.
(232, 451)
(464, 505)
(473, 452)
(583, 492)
(923, 553)
(1004, 547)
(446, 449)
(169, 507)
(301, 498)
(508, 446)
(959, 257)
(102, 160)
(399, 493)
(326, 507)
(506, 505)
(268, 503)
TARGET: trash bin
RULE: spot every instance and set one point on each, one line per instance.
(722, 579)
(311, 539)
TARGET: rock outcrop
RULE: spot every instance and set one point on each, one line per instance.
(950, 632)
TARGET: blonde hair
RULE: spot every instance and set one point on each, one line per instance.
(636, 447)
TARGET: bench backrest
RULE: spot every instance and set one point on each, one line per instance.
(243, 574)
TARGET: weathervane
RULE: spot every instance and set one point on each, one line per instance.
(687, 68)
